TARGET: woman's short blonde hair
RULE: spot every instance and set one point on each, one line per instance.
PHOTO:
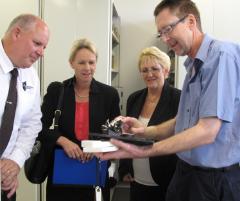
(154, 53)
(83, 43)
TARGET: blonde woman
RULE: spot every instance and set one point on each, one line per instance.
(87, 104)
(158, 102)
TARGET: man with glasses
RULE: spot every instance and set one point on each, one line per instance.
(205, 134)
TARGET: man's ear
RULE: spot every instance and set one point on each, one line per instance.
(192, 22)
(16, 32)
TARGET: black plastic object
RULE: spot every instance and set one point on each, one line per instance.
(128, 138)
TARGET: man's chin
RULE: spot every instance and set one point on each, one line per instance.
(28, 65)
(180, 52)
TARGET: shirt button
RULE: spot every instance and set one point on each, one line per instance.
(188, 110)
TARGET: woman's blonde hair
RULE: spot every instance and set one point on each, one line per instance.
(154, 53)
(83, 43)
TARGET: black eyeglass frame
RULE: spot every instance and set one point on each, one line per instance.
(171, 26)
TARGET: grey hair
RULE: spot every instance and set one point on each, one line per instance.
(25, 21)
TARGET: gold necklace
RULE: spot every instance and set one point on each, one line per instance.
(79, 96)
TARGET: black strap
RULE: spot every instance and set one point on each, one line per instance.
(57, 112)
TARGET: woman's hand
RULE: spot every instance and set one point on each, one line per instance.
(73, 150)
(128, 178)
(70, 148)
(86, 157)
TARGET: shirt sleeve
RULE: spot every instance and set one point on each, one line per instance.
(227, 87)
(219, 87)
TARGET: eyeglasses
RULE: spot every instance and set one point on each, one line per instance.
(154, 69)
(166, 30)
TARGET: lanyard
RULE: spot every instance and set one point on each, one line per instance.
(98, 190)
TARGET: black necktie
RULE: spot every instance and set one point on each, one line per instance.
(9, 112)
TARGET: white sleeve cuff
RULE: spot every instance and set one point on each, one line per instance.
(18, 156)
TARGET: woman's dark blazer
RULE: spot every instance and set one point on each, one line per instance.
(103, 105)
(161, 167)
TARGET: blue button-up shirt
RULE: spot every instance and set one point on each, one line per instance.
(212, 89)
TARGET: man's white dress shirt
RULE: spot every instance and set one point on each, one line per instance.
(27, 122)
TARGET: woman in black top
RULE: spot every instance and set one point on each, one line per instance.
(158, 102)
(87, 104)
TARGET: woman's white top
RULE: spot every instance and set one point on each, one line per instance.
(141, 167)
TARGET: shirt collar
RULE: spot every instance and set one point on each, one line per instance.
(5, 62)
(202, 52)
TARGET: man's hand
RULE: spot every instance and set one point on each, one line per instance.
(132, 125)
(126, 150)
(11, 187)
(9, 173)
(9, 170)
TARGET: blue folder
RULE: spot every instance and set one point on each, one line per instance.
(69, 171)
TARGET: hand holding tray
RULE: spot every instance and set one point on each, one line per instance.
(128, 138)
(113, 129)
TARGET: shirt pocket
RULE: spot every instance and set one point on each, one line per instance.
(26, 100)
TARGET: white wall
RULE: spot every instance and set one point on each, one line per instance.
(226, 20)
(71, 20)
(94, 22)
(61, 16)
(12, 8)
(137, 32)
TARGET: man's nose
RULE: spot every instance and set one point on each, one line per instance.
(165, 38)
(40, 51)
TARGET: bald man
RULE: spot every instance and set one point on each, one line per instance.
(22, 45)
